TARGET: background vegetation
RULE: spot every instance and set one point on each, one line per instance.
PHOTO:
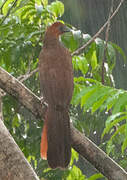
(98, 108)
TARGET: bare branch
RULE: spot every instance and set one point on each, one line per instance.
(80, 143)
(23, 78)
(79, 51)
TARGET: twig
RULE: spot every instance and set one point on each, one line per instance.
(13, 5)
(106, 42)
(79, 50)
(27, 75)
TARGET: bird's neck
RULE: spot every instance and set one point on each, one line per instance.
(51, 41)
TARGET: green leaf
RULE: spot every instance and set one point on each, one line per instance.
(119, 130)
(97, 94)
(98, 103)
(93, 81)
(114, 116)
(15, 122)
(75, 99)
(96, 176)
(45, 2)
(120, 104)
(89, 53)
(119, 50)
(111, 100)
(94, 60)
(100, 48)
(76, 174)
(110, 147)
(82, 92)
(79, 79)
(74, 156)
(57, 8)
(82, 64)
(111, 57)
(27, 10)
(7, 6)
(70, 42)
(124, 145)
(87, 96)
(20, 6)
(113, 123)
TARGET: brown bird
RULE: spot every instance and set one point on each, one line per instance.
(56, 83)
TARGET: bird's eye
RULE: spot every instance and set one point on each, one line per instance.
(61, 28)
(64, 29)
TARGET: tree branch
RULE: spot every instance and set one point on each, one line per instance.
(1, 105)
(26, 76)
(79, 50)
(80, 143)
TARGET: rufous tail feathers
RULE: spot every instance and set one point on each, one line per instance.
(44, 143)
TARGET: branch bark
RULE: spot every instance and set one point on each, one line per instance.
(80, 143)
(1, 105)
(13, 164)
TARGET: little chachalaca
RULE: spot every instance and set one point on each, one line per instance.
(56, 83)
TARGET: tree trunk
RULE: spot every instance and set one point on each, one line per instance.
(13, 165)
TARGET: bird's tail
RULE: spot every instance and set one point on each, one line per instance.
(55, 142)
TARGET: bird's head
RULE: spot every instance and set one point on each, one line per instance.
(57, 29)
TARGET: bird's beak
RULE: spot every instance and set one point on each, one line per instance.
(65, 29)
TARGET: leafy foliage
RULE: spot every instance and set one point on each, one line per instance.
(22, 27)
